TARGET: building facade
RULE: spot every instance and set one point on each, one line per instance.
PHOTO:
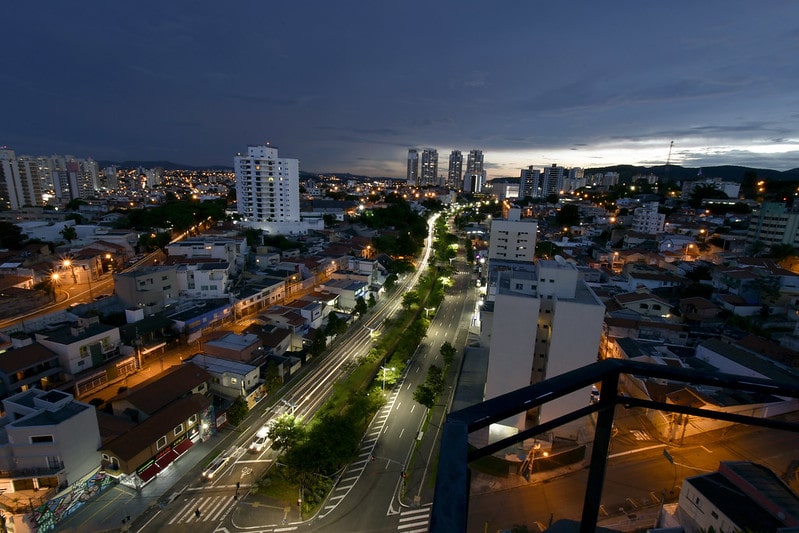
(412, 173)
(267, 186)
(428, 176)
(455, 169)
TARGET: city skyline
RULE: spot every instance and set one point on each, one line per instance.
(347, 87)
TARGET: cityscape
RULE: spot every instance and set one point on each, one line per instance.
(265, 348)
(380, 268)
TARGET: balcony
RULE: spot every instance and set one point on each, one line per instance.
(451, 500)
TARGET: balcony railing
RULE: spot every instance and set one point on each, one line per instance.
(451, 501)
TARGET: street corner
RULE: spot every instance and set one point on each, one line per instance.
(259, 510)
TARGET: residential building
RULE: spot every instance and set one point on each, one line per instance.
(740, 496)
(233, 346)
(149, 288)
(428, 176)
(455, 169)
(530, 183)
(412, 174)
(513, 238)
(268, 191)
(20, 185)
(231, 379)
(475, 176)
(82, 345)
(774, 223)
(48, 440)
(540, 324)
(646, 219)
(552, 180)
(26, 367)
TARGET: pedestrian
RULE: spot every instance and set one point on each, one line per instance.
(197, 513)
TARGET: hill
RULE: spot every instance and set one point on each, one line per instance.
(678, 173)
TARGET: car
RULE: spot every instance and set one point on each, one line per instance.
(260, 440)
(215, 466)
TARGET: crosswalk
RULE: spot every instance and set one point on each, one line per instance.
(414, 520)
(640, 435)
(209, 507)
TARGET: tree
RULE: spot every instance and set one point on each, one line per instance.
(425, 395)
(448, 353)
(391, 281)
(781, 251)
(285, 432)
(704, 191)
(360, 306)
(330, 220)
(371, 301)
(569, 215)
(410, 298)
(10, 236)
(69, 233)
(335, 325)
(237, 411)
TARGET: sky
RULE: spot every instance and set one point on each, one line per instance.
(350, 86)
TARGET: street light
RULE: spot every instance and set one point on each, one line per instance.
(384, 376)
(68, 263)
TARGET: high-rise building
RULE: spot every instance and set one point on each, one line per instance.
(475, 176)
(552, 181)
(541, 322)
(412, 175)
(429, 173)
(20, 184)
(267, 186)
(530, 183)
(512, 238)
(774, 223)
(455, 169)
(646, 219)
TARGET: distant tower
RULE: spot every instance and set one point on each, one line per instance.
(552, 181)
(475, 173)
(412, 176)
(429, 173)
(455, 172)
(267, 186)
(530, 183)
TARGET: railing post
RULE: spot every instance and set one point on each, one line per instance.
(599, 453)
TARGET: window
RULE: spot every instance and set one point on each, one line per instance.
(178, 430)
(714, 514)
(192, 420)
(41, 439)
(161, 442)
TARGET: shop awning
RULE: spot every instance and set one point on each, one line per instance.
(183, 446)
(149, 473)
(164, 461)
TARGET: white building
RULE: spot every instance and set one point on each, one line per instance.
(540, 324)
(47, 439)
(513, 238)
(268, 191)
(203, 280)
(82, 346)
(646, 219)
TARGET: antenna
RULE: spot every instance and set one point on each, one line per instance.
(668, 159)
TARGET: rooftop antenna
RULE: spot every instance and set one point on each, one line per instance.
(668, 160)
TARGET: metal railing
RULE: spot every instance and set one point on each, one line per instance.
(451, 501)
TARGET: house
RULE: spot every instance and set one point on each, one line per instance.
(697, 309)
(82, 345)
(740, 496)
(149, 288)
(151, 396)
(643, 302)
(147, 449)
(234, 347)
(31, 366)
(48, 440)
(231, 379)
(348, 291)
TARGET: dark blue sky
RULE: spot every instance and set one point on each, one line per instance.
(349, 86)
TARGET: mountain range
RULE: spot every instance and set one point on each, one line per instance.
(626, 172)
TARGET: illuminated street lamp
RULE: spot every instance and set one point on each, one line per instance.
(68, 264)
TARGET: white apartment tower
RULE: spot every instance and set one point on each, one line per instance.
(541, 323)
(429, 172)
(267, 186)
(20, 184)
(455, 171)
(412, 174)
(513, 238)
(646, 219)
(552, 181)
(530, 183)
